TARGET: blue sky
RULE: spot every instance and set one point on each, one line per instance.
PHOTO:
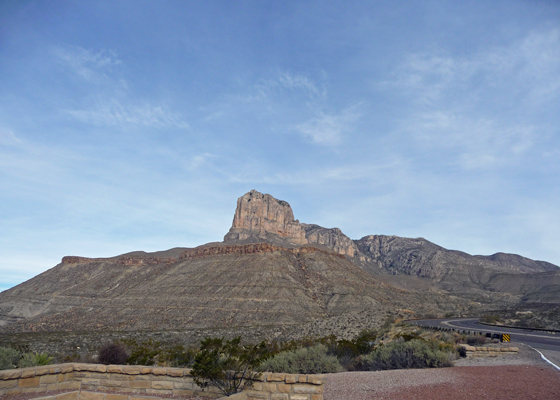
(136, 125)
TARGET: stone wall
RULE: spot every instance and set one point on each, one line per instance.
(478, 351)
(150, 381)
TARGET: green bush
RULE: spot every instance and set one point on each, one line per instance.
(311, 360)
(146, 353)
(411, 354)
(178, 356)
(227, 364)
(9, 358)
(34, 360)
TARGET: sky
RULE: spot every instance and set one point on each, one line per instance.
(136, 125)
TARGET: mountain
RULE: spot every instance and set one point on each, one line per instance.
(275, 277)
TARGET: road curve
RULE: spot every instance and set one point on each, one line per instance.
(547, 343)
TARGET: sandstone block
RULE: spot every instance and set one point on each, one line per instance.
(302, 378)
(68, 396)
(140, 385)
(316, 379)
(175, 372)
(115, 369)
(110, 396)
(315, 389)
(66, 368)
(284, 388)
(48, 379)
(11, 374)
(129, 370)
(269, 387)
(29, 382)
(183, 385)
(8, 384)
(291, 378)
(276, 377)
(255, 395)
(280, 396)
(42, 370)
(316, 397)
(159, 371)
(145, 370)
(91, 396)
(28, 372)
(162, 385)
(299, 397)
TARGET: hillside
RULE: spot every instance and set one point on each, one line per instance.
(274, 275)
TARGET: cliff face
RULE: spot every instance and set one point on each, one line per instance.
(258, 215)
(261, 216)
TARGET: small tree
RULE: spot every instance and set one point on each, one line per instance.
(113, 353)
(227, 365)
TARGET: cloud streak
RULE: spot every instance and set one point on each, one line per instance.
(328, 129)
(115, 113)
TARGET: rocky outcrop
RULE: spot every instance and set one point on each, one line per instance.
(332, 238)
(260, 215)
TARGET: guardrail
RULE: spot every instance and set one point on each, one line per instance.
(519, 327)
(503, 337)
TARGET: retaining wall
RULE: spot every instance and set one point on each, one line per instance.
(477, 351)
(151, 381)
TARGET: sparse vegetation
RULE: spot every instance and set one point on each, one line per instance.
(34, 360)
(491, 319)
(226, 364)
(9, 358)
(12, 358)
(416, 353)
(306, 360)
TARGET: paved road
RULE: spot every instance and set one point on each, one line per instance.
(547, 343)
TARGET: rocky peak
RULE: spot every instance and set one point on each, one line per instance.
(260, 215)
(332, 238)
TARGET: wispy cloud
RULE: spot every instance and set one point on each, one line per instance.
(115, 113)
(478, 143)
(328, 129)
(529, 65)
(7, 138)
(89, 65)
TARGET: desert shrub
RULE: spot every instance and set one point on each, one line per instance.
(113, 353)
(491, 319)
(227, 364)
(178, 356)
(462, 352)
(402, 355)
(476, 340)
(309, 360)
(148, 352)
(9, 358)
(34, 360)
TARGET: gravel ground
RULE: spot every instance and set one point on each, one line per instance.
(509, 377)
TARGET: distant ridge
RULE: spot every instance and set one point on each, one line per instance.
(273, 275)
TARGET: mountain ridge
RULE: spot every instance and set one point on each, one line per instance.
(273, 271)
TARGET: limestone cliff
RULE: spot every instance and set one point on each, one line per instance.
(258, 215)
(262, 217)
(332, 238)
